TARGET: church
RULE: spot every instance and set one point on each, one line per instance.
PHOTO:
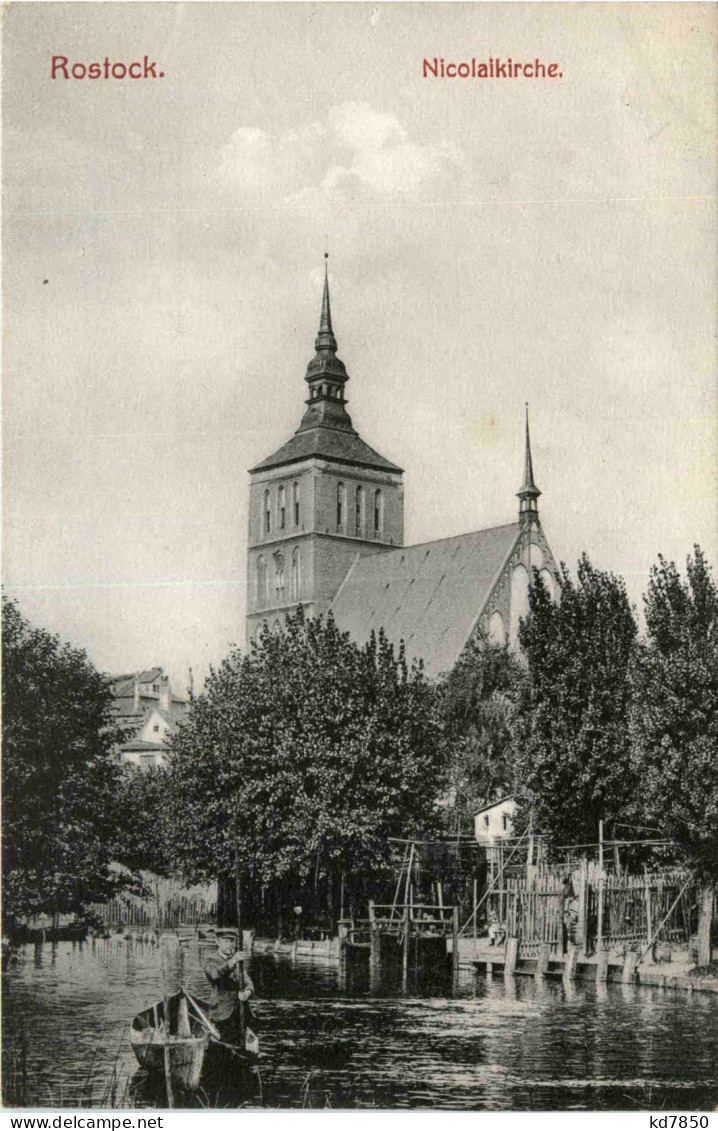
(326, 530)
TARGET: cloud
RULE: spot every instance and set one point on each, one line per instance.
(358, 153)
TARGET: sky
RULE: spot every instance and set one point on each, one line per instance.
(491, 242)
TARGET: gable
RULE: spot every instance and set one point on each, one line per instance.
(157, 727)
(429, 595)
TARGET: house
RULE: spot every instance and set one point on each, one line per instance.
(494, 823)
(326, 531)
(144, 705)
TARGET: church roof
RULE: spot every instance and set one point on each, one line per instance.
(327, 443)
(429, 595)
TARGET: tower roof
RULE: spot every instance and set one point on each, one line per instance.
(326, 430)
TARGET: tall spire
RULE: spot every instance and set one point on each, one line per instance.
(326, 374)
(325, 339)
(529, 493)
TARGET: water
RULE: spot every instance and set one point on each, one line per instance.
(492, 1045)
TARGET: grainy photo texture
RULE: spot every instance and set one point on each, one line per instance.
(360, 628)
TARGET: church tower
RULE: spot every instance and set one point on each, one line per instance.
(319, 501)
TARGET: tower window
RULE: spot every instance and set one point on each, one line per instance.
(261, 581)
(378, 514)
(279, 575)
(360, 515)
(281, 508)
(296, 592)
(341, 506)
(267, 513)
(296, 504)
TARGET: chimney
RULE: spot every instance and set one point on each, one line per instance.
(165, 693)
(136, 695)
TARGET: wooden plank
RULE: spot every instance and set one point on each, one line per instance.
(628, 974)
(569, 970)
(511, 954)
(544, 954)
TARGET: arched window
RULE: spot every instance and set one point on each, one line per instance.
(281, 508)
(261, 581)
(519, 607)
(296, 575)
(360, 513)
(378, 513)
(267, 513)
(497, 632)
(279, 576)
(341, 506)
(295, 490)
(548, 580)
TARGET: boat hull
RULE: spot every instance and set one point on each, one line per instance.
(185, 1049)
(186, 1058)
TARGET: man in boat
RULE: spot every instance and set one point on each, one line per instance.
(231, 989)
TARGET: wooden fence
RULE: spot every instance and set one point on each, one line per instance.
(596, 910)
(166, 904)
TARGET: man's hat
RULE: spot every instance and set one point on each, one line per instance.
(227, 933)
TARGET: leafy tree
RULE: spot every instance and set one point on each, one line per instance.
(301, 758)
(573, 762)
(143, 841)
(477, 701)
(674, 722)
(59, 779)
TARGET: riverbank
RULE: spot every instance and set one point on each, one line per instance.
(678, 973)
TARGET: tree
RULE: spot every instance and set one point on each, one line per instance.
(59, 778)
(674, 721)
(143, 841)
(477, 701)
(572, 754)
(301, 758)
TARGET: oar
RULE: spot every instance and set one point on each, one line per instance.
(203, 1018)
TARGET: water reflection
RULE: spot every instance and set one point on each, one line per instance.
(340, 1036)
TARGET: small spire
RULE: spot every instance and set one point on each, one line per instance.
(529, 492)
(325, 338)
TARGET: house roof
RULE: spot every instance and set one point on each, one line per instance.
(124, 684)
(428, 595)
(142, 745)
(493, 804)
(339, 445)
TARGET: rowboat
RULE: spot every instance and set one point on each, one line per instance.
(185, 1040)
(192, 1043)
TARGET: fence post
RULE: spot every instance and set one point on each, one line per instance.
(647, 897)
(455, 943)
(582, 939)
(602, 966)
(542, 961)
(569, 970)
(512, 950)
(405, 952)
(628, 973)
(599, 930)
